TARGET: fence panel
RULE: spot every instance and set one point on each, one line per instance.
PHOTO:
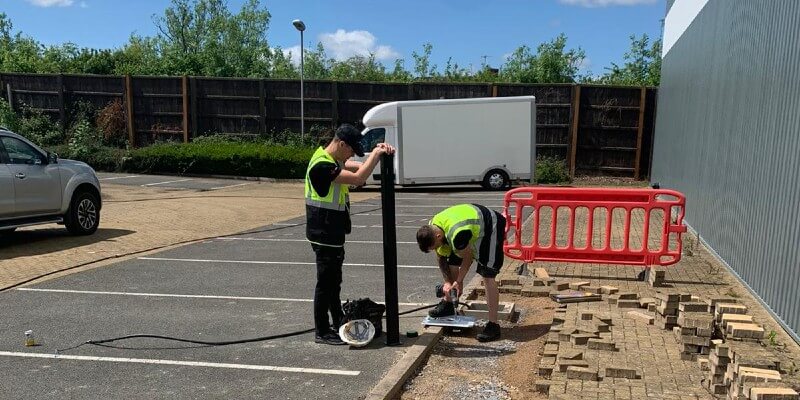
(553, 116)
(595, 129)
(608, 130)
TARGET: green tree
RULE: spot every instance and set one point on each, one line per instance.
(642, 66)
(552, 63)
(422, 63)
(17, 53)
(140, 56)
(316, 64)
(358, 68)
(281, 65)
(399, 72)
(203, 37)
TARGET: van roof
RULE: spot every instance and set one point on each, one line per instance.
(386, 114)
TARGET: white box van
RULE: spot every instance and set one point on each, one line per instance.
(491, 141)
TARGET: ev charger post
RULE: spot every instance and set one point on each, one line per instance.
(389, 250)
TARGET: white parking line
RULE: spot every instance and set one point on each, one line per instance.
(197, 260)
(166, 182)
(404, 206)
(453, 196)
(229, 186)
(356, 226)
(304, 240)
(396, 215)
(119, 177)
(187, 296)
(183, 363)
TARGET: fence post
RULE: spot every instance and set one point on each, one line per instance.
(193, 105)
(334, 104)
(61, 110)
(185, 113)
(642, 103)
(10, 97)
(129, 110)
(262, 108)
(576, 116)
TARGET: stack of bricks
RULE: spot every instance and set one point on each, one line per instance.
(509, 282)
(667, 310)
(753, 373)
(624, 300)
(718, 361)
(694, 330)
(654, 276)
(735, 324)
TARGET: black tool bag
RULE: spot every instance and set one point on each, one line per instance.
(365, 309)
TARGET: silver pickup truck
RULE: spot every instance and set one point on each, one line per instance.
(36, 187)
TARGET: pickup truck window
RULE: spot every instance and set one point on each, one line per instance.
(372, 138)
(19, 152)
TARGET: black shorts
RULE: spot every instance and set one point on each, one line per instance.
(490, 249)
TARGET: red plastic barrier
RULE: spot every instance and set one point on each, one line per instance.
(598, 246)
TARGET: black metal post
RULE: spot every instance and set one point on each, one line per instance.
(389, 250)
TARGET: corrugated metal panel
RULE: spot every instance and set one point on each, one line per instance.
(728, 136)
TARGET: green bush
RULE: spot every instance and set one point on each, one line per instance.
(218, 157)
(83, 139)
(102, 158)
(32, 124)
(8, 119)
(551, 170)
(37, 127)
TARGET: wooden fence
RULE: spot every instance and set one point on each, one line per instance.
(597, 129)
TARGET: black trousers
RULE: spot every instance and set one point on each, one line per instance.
(329, 286)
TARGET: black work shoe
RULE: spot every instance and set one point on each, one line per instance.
(443, 309)
(490, 332)
(329, 338)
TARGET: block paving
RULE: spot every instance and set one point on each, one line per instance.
(656, 333)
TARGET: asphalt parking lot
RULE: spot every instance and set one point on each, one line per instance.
(254, 284)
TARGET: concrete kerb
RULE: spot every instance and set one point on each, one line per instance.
(389, 387)
(391, 384)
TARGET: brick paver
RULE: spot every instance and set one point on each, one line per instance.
(653, 352)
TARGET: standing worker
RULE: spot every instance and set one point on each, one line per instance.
(328, 178)
(459, 235)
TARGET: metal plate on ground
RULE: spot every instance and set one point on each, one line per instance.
(454, 321)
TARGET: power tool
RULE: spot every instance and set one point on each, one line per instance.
(452, 321)
(453, 295)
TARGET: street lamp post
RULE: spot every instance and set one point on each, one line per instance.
(300, 26)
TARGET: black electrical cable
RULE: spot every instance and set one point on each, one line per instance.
(103, 342)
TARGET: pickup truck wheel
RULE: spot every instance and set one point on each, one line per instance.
(83, 216)
(496, 179)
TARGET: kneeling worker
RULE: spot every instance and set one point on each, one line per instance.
(459, 235)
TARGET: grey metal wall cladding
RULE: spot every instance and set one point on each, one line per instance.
(728, 136)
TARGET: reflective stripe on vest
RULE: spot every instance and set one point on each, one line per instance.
(338, 194)
(456, 219)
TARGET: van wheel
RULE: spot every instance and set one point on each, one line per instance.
(496, 179)
(83, 216)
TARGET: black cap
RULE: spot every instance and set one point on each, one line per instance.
(350, 135)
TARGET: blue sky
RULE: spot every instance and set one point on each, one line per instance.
(466, 30)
